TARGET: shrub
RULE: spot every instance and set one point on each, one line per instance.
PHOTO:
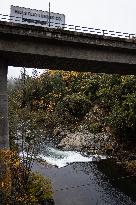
(73, 107)
(19, 185)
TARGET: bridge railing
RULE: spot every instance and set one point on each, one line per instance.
(70, 27)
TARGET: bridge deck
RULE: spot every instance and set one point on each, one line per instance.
(33, 46)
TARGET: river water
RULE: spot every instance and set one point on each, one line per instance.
(82, 180)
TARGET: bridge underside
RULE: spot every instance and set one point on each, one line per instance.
(38, 47)
(82, 65)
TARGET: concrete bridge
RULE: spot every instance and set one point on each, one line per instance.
(33, 46)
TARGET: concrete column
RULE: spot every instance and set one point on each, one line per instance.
(5, 177)
(4, 131)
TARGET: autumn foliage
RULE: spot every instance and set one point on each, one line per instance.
(19, 185)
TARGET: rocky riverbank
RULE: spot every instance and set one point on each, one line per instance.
(101, 144)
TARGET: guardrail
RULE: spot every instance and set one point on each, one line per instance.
(71, 27)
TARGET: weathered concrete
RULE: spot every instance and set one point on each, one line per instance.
(4, 135)
(32, 46)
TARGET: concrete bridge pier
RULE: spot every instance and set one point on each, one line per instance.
(5, 175)
(4, 131)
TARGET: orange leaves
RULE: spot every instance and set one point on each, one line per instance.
(5, 175)
(15, 188)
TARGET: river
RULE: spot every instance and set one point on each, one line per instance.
(84, 180)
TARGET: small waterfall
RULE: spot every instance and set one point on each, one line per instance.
(60, 159)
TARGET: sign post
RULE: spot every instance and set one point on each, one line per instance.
(49, 13)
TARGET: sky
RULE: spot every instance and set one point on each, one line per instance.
(117, 15)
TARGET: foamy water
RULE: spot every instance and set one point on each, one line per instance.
(60, 158)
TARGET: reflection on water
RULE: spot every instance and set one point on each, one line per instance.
(87, 183)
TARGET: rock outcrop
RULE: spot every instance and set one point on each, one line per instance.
(90, 143)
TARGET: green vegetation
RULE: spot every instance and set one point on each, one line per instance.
(96, 102)
(20, 185)
(58, 97)
(130, 166)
